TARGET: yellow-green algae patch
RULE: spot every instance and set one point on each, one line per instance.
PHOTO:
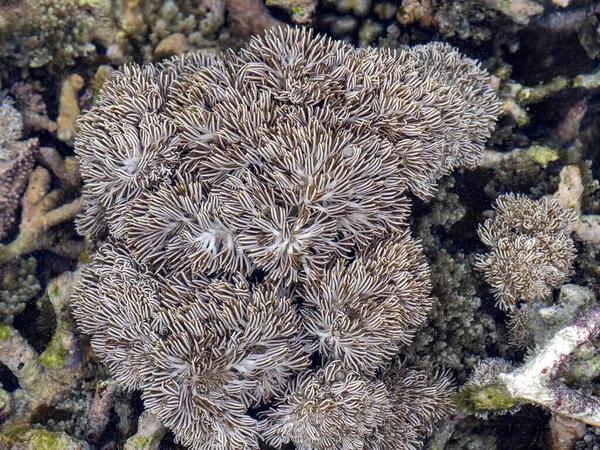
(57, 352)
(4, 332)
(53, 290)
(142, 442)
(542, 154)
(473, 400)
(37, 439)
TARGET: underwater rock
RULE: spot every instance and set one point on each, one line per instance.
(516, 111)
(99, 410)
(520, 11)
(534, 324)
(568, 128)
(582, 20)
(564, 431)
(301, 11)
(539, 379)
(570, 188)
(416, 11)
(589, 81)
(526, 95)
(358, 8)
(587, 229)
(538, 154)
(25, 438)
(569, 195)
(149, 433)
(103, 29)
(369, 31)
(45, 379)
(250, 16)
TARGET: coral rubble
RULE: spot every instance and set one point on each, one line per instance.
(254, 210)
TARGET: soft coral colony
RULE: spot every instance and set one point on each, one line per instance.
(257, 277)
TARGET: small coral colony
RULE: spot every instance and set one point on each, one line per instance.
(264, 248)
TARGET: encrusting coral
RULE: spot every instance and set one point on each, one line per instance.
(254, 210)
(531, 250)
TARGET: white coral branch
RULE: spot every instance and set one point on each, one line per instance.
(538, 381)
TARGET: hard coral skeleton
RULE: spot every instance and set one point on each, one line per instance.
(254, 209)
(540, 380)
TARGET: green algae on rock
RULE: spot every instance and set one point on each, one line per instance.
(24, 437)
